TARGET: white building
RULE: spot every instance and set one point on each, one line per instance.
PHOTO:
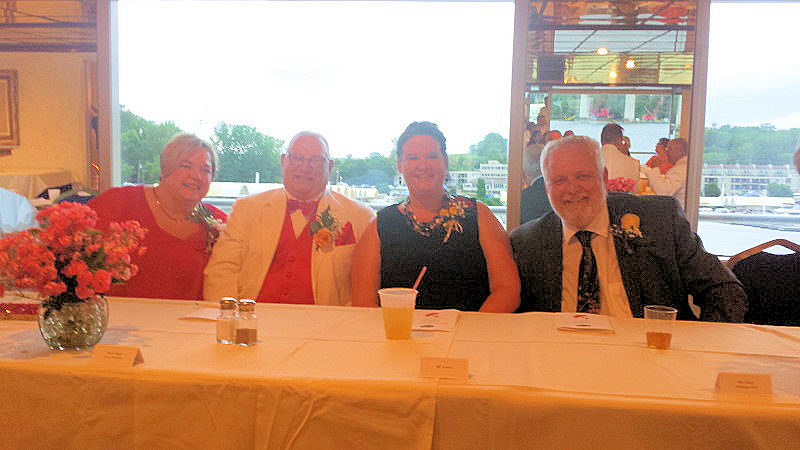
(735, 179)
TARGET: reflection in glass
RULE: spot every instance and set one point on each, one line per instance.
(593, 63)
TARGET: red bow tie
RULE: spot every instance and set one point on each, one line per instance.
(307, 207)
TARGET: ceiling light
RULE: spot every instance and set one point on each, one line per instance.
(612, 74)
(630, 64)
(602, 51)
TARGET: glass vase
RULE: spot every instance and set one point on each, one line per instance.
(76, 325)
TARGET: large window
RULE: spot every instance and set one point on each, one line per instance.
(748, 181)
(248, 75)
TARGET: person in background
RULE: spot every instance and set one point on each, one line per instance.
(617, 162)
(181, 229)
(533, 201)
(16, 213)
(673, 182)
(797, 157)
(615, 253)
(294, 244)
(458, 239)
(626, 145)
(569, 133)
(660, 158)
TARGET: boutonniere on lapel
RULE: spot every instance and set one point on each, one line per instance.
(211, 225)
(324, 230)
(627, 231)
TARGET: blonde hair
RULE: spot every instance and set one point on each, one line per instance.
(180, 147)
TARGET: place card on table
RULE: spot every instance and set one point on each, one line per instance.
(455, 368)
(434, 320)
(584, 322)
(117, 355)
(743, 383)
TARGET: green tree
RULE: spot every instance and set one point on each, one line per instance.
(761, 145)
(243, 151)
(141, 142)
(565, 106)
(492, 147)
(711, 190)
(715, 158)
(653, 105)
(481, 190)
(465, 162)
(778, 190)
(375, 169)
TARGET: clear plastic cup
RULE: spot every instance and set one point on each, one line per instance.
(659, 320)
(397, 305)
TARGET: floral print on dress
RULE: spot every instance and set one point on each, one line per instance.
(451, 213)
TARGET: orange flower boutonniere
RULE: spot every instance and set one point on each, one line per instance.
(324, 230)
(628, 231)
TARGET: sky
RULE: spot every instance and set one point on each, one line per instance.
(754, 65)
(359, 72)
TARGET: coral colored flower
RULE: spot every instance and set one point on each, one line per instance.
(621, 184)
(67, 255)
(75, 267)
(84, 292)
(101, 280)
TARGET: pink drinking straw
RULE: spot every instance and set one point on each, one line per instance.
(419, 277)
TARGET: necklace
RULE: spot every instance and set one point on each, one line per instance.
(163, 210)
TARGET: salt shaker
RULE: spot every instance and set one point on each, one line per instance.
(247, 323)
(226, 321)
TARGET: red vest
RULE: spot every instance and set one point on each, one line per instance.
(289, 277)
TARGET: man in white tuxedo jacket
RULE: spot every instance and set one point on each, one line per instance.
(290, 245)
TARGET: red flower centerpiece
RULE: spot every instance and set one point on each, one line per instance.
(621, 184)
(71, 265)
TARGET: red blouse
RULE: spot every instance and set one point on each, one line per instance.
(171, 267)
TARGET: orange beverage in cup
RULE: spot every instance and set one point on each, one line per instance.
(659, 340)
(397, 305)
(659, 321)
(397, 322)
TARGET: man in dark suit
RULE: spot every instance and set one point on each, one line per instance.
(533, 201)
(614, 254)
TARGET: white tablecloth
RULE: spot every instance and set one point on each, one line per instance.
(30, 183)
(325, 377)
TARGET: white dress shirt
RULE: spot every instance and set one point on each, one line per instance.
(619, 164)
(299, 221)
(613, 299)
(672, 183)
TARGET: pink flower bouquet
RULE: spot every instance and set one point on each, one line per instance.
(621, 184)
(66, 260)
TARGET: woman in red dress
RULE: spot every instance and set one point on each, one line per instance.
(660, 158)
(181, 228)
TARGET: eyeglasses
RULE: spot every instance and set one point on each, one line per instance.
(315, 162)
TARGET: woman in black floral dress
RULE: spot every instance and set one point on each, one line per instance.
(459, 240)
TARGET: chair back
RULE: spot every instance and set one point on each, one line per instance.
(772, 284)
